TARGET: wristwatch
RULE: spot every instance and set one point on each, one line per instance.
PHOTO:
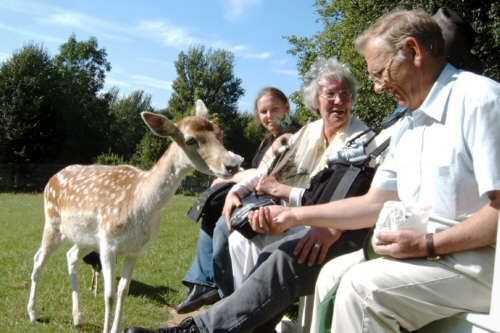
(430, 248)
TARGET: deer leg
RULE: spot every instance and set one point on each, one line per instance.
(42, 257)
(74, 256)
(129, 264)
(96, 286)
(108, 261)
(93, 280)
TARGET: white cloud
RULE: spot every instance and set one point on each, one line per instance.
(280, 62)
(3, 56)
(226, 46)
(69, 19)
(263, 55)
(168, 34)
(290, 72)
(52, 15)
(118, 83)
(236, 8)
(30, 34)
(148, 81)
(86, 23)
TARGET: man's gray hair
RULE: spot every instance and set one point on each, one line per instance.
(322, 69)
(396, 26)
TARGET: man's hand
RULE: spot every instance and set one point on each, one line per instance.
(232, 201)
(323, 237)
(402, 244)
(272, 220)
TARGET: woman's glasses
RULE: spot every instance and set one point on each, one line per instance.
(343, 95)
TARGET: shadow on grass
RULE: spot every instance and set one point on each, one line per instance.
(139, 289)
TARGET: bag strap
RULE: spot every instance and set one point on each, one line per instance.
(386, 123)
(346, 183)
(354, 170)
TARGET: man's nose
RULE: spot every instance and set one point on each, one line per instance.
(379, 87)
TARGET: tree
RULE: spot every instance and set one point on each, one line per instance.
(209, 76)
(344, 20)
(149, 150)
(29, 107)
(127, 128)
(86, 120)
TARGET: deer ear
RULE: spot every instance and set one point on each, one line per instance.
(201, 109)
(160, 125)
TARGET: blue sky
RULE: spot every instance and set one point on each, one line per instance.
(144, 38)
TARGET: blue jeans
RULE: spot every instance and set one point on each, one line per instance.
(274, 285)
(212, 265)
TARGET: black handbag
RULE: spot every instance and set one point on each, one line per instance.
(210, 204)
(342, 179)
(239, 218)
(345, 178)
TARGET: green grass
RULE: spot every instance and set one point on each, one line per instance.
(156, 282)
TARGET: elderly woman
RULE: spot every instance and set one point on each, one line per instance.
(330, 91)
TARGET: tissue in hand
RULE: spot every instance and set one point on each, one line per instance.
(393, 217)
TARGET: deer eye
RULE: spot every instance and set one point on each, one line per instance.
(191, 141)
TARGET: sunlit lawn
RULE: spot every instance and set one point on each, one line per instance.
(156, 282)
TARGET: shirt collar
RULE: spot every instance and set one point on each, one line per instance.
(435, 103)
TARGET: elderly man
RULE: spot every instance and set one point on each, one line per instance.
(446, 155)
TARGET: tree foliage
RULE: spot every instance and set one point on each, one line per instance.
(127, 129)
(29, 98)
(52, 110)
(86, 120)
(209, 75)
(344, 20)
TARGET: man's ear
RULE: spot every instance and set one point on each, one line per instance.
(414, 50)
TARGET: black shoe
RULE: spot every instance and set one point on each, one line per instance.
(189, 287)
(187, 326)
(199, 296)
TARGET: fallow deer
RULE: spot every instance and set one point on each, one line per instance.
(115, 210)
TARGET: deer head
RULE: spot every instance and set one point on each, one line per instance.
(199, 138)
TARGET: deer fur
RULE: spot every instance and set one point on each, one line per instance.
(115, 210)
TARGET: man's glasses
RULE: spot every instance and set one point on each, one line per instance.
(344, 95)
(376, 76)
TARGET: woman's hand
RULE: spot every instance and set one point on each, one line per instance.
(267, 185)
(218, 181)
(232, 201)
(315, 244)
(272, 220)
(271, 186)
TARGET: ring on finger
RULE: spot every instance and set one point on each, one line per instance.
(317, 246)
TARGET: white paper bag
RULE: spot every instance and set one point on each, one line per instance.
(393, 217)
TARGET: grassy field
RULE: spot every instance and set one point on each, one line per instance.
(156, 282)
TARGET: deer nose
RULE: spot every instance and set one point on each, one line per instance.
(232, 169)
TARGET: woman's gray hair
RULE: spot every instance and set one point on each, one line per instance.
(397, 25)
(322, 69)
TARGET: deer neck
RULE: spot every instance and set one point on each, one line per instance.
(161, 181)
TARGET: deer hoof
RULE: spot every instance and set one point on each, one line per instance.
(34, 316)
(78, 318)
